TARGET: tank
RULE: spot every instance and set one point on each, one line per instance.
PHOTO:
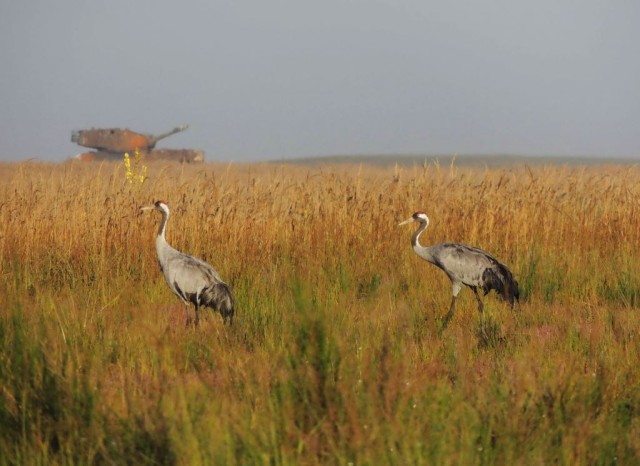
(113, 143)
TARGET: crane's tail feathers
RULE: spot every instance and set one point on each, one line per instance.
(501, 280)
(219, 297)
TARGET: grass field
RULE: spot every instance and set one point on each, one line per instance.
(337, 355)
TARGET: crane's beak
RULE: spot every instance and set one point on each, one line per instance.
(147, 207)
(409, 220)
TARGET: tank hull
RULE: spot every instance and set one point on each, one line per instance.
(174, 155)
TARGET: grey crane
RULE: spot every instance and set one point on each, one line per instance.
(465, 265)
(192, 280)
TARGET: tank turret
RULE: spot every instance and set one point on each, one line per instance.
(119, 140)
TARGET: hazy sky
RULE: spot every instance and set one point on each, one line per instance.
(260, 79)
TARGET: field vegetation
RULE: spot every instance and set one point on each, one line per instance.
(337, 354)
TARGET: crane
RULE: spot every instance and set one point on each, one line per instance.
(465, 265)
(192, 280)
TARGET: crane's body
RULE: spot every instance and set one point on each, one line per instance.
(192, 280)
(465, 265)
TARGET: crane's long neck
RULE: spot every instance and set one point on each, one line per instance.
(162, 247)
(422, 251)
(163, 226)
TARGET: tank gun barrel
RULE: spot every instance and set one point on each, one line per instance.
(154, 139)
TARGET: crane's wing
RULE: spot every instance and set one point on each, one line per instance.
(475, 267)
(461, 262)
(188, 276)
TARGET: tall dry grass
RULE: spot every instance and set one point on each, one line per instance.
(338, 355)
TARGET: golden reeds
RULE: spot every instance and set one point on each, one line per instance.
(338, 355)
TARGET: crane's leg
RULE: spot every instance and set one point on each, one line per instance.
(186, 312)
(480, 307)
(454, 294)
(449, 314)
(197, 315)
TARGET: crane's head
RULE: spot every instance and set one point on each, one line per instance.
(418, 216)
(160, 206)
